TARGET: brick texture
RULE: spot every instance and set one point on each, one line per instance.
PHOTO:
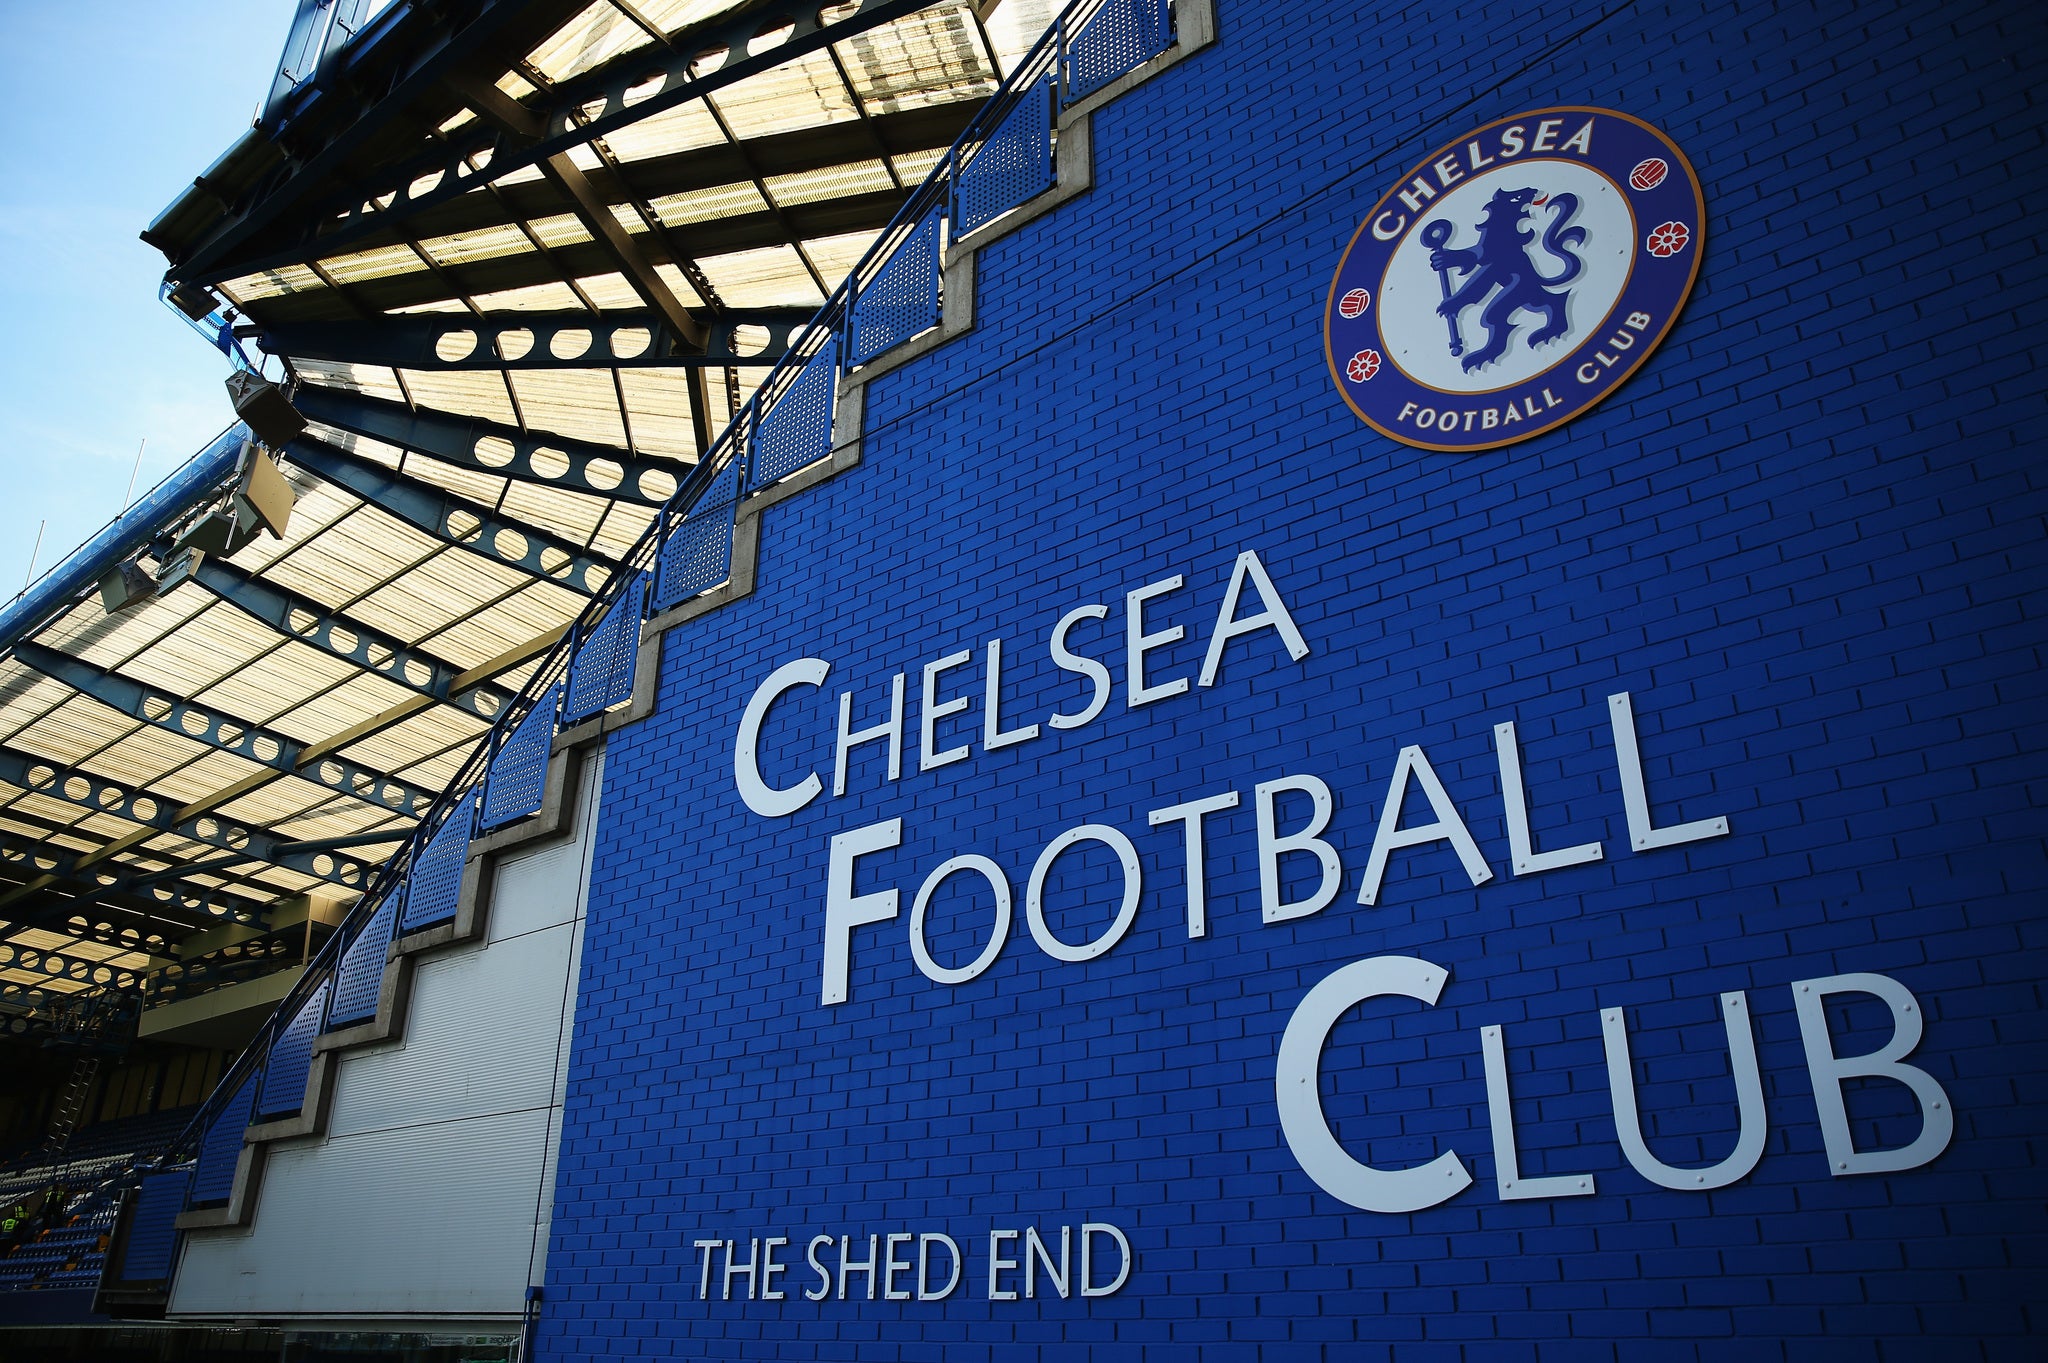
(1807, 538)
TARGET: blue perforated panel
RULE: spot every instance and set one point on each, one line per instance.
(361, 973)
(291, 1055)
(1121, 36)
(152, 1242)
(435, 882)
(798, 430)
(214, 1178)
(696, 556)
(1012, 167)
(520, 769)
(903, 299)
(601, 673)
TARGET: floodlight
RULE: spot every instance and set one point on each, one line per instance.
(263, 406)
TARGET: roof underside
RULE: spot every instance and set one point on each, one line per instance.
(475, 463)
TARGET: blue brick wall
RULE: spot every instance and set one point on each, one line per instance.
(1807, 538)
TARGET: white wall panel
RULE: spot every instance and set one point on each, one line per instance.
(430, 1192)
(428, 1220)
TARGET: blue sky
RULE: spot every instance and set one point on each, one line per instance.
(109, 109)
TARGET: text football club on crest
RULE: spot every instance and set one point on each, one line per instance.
(1514, 278)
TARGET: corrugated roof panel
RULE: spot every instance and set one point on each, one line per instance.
(622, 528)
(375, 380)
(364, 696)
(108, 641)
(214, 643)
(483, 243)
(930, 57)
(805, 92)
(473, 484)
(82, 727)
(551, 297)
(832, 182)
(419, 738)
(278, 691)
(376, 451)
(272, 283)
(835, 257)
(27, 695)
(378, 262)
(611, 291)
(564, 229)
(659, 401)
(473, 392)
(573, 402)
(571, 515)
(353, 557)
(214, 771)
(686, 127)
(679, 285)
(769, 277)
(426, 601)
(1014, 25)
(597, 35)
(708, 205)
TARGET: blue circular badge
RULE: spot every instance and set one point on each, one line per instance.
(1514, 278)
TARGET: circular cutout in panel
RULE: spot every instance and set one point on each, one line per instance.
(77, 788)
(510, 545)
(750, 340)
(230, 734)
(155, 708)
(630, 343)
(192, 722)
(548, 463)
(709, 60)
(425, 184)
(770, 36)
(264, 749)
(463, 526)
(301, 621)
(658, 484)
(513, 344)
(342, 639)
(604, 474)
(494, 452)
(453, 346)
(416, 672)
(569, 343)
(647, 87)
(144, 809)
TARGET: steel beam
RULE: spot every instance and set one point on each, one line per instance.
(311, 623)
(211, 728)
(456, 520)
(533, 340)
(57, 920)
(72, 969)
(102, 796)
(601, 470)
(708, 58)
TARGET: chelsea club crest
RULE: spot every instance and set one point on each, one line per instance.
(1514, 278)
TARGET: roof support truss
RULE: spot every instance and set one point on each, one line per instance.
(212, 728)
(537, 340)
(455, 520)
(96, 793)
(309, 622)
(708, 58)
(463, 441)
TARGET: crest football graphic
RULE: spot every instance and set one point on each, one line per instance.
(1514, 278)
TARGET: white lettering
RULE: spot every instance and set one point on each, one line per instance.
(1521, 846)
(1273, 617)
(761, 797)
(932, 711)
(920, 950)
(1137, 643)
(992, 735)
(847, 741)
(1034, 893)
(1191, 815)
(1937, 1117)
(1635, 795)
(1296, 1088)
(844, 910)
(1749, 1104)
(1086, 667)
(1448, 825)
(1272, 847)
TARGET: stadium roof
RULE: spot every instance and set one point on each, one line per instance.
(516, 262)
